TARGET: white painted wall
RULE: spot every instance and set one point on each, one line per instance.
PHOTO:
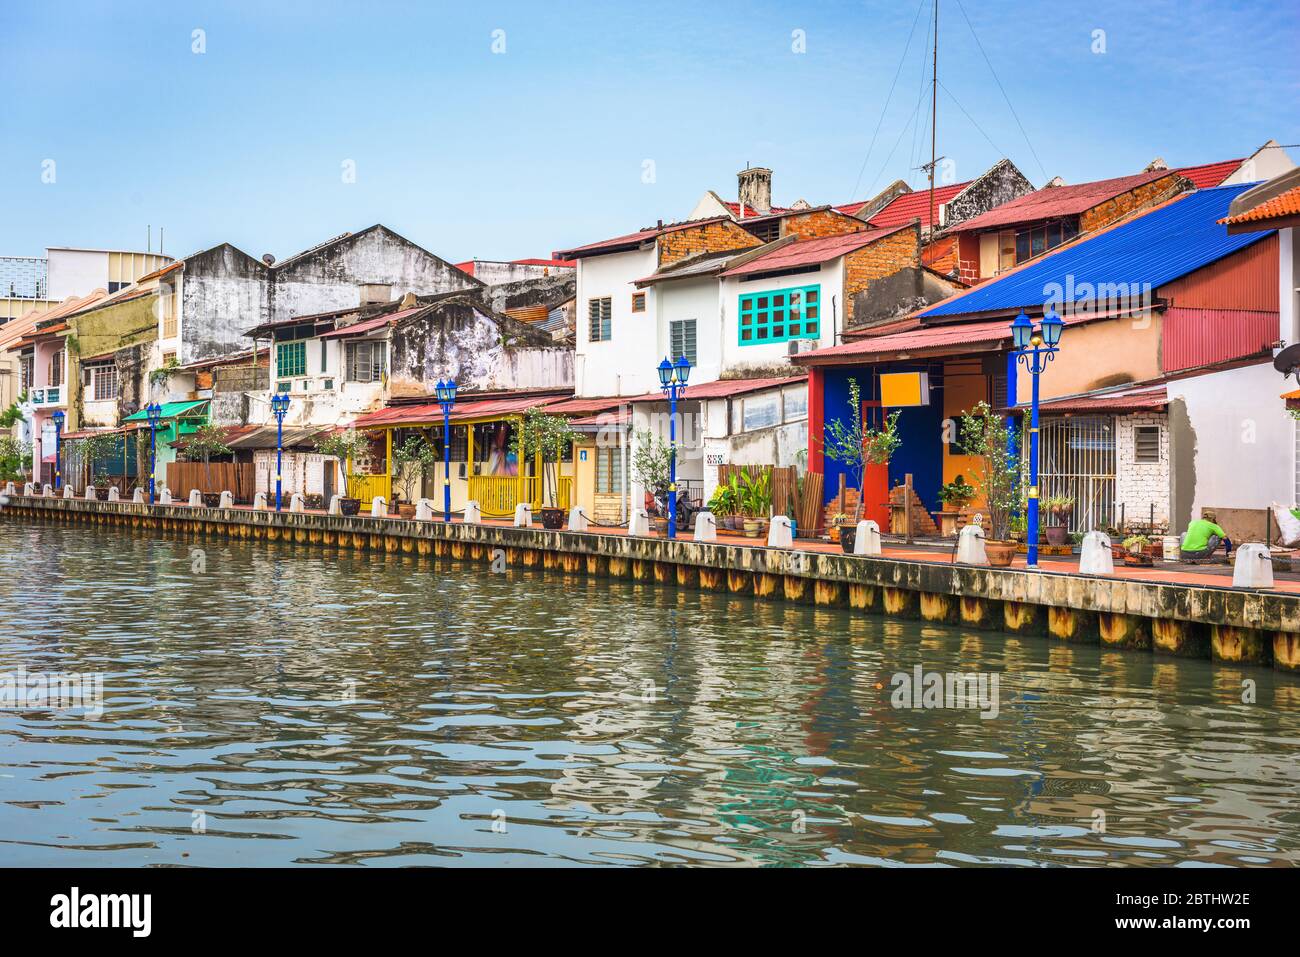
(1139, 485)
(625, 365)
(692, 299)
(1266, 163)
(75, 272)
(738, 360)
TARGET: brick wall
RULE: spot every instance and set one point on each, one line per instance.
(707, 237)
(823, 222)
(941, 255)
(1120, 206)
(887, 257)
(1138, 485)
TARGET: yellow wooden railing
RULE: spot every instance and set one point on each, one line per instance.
(497, 495)
(366, 487)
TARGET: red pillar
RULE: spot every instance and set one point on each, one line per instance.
(816, 419)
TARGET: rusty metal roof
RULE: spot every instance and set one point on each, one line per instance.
(811, 252)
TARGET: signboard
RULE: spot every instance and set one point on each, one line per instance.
(904, 389)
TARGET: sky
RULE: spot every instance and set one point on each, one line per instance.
(508, 130)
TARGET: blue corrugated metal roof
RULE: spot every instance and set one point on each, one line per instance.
(1154, 249)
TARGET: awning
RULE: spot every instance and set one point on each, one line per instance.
(264, 437)
(723, 388)
(462, 411)
(927, 341)
(170, 410)
(1136, 400)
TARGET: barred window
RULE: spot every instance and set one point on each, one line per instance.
(598, 316)
(1146, 443)
(681, 334)
(104, 382)
(609, 471)
(291, 358)
(365, 361)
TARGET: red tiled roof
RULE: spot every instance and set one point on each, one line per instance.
(809, 252)
(1209, 174)
(915, 205)
(722, 388)
(1051, 202)
(462, 411)
(564, 263)
(369, 325)
(1285, 204)
(583, 406)
(1138, 400)
(632, 239)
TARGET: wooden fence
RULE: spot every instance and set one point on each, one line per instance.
(236, 477)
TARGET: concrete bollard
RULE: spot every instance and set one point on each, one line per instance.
(638, 522)
(47, 489)
(1095, 557)
(706, 527)
(89, 496)
(67, 492)
(780, 533)
(334, 509)
(259, 502)
(523, 515)
(473, 514)
(866, 541)
(138, 496)
(165, 496)
(970, 546)
(29, 488)
(113, 494)
(577, 519)
(196, 498)
(424, 510)
(9, 488)
(379, 507)
(297, 502)
(1253, 567)
(227, 499)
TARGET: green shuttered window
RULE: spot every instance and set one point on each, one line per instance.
(779, 315)
(291, 358)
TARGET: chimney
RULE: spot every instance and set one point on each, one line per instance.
(755, 188)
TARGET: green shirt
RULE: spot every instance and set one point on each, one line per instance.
(1198, 535)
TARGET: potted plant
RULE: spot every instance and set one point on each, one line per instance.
(1059, 509)
(347, 446)
(956, 495)
(96, 450)
(549, 436)
(1135, 550)
(314, 501)
(412, 461)
(858, 445)
(205, 442)
(650, 468)
(15, 458)
(735, 515)
(722, 503)
(757, 499)
(987, 437)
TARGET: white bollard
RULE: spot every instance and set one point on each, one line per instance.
(196, 498)
(259, 502)
(706, 527)
(29, 489)
(9, 488)
(138, 496)
(779, 533)
(47, 489)
(379, 507)
(577, 519)
(67, 491)
(473, 514)
(334, 509)
(90, 493)
(970, 546)
(1253, 567)
(113, 494)
(1095, 556)
(424, 510)
(638, 522)
(523, 515)
(866, 541)
(297, 502)
(165, 496)
(227, 499)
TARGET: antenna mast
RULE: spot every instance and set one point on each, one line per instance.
(934, 111)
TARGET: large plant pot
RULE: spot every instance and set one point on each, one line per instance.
(1057, 534)
(848, 538)
(1141, 560)
(349, 506)
(553, 518)
(659, 526)
(406, 510)
(211, 499)
(101, 493)
(752, 527)
(1000, 554)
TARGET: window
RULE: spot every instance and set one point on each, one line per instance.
(104, 382)
(56, 369)
(1006, 250)
(779, 315)
(25, 373)
(795, 401)
(167, 306)
(1039, 239)
(681, 339)
(638, 302)
(609, 471)
(169, 358)
(598, 316)
(1146, 443)
(761, 411)
(459, 444)
(291, 358)
(365, 361)
(282, 386)
(324, 357)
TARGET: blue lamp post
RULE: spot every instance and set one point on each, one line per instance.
(58, 417)
(154, 411)
(1035, 348)
(279, 408)
(446, 391)
(672, 379)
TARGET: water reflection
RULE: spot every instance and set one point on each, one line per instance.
(297, 706)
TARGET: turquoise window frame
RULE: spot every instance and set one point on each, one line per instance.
(296, 364)
(766, 317)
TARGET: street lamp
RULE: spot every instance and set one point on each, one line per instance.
(672, 379)
(58, 417)
(446, 391)
(1035, 348)
(154, 411)
(279, 408)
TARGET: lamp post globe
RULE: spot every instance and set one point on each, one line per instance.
(1052, 326)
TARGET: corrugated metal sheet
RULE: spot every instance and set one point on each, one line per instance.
(1247, 280)
(1136, 401)
(722, 388)
(1155, 248)
(811, 252)
(1197, 337)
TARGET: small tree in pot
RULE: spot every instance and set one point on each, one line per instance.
(205, 442)
(1059, 509)
(95, 451)
(412, 459)
(347, 446)
(549, 436)
(858, 445)
(988, 438)
(650, 464)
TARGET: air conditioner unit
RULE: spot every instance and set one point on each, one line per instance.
(802, 345)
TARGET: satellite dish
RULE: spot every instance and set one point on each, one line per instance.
(1287, 361)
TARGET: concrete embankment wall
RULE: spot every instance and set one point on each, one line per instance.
(1245, 627)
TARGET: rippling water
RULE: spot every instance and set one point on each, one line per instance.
(292, 706)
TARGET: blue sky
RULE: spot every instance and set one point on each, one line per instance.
(503, 155)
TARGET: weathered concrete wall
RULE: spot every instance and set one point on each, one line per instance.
(1000, 184)
(224, 293)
